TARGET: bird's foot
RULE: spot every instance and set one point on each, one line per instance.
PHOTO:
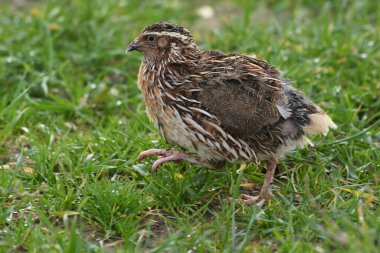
(256, 200)
(266, 192)
(166, 155)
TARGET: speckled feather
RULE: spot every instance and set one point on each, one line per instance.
(222, 107)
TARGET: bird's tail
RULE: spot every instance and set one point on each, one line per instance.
(320, 123)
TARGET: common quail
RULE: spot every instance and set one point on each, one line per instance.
(220, 106)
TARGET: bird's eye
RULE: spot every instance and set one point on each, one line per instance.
(151, 38)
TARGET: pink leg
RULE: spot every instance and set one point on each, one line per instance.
(167, 156)
(265, 192)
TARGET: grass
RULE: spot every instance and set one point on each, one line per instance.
(72, 123)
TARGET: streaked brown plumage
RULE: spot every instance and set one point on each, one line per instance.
(220, 107)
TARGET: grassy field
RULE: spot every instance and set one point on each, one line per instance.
(72, 123)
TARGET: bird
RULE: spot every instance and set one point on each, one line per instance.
(221, 107)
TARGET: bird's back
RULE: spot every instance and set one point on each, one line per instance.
(253, 102)
(234, 106)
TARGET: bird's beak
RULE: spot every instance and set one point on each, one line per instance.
(132, 47)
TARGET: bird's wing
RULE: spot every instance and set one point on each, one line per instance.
(245, 94)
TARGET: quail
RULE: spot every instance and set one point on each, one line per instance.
(221, 107)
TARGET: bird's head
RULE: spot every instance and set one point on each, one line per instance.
(164, 42)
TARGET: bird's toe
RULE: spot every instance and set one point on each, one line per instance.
(151, 152)
(253, 200)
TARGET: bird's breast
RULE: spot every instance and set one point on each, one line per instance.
(163, 115)
(168, 119)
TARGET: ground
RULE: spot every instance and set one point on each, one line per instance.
(72, 123)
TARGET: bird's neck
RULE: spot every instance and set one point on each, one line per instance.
(186, 56)
(170, 65)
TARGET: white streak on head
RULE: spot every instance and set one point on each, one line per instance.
(183, 38)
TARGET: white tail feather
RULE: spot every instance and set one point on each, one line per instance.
(319, 124)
